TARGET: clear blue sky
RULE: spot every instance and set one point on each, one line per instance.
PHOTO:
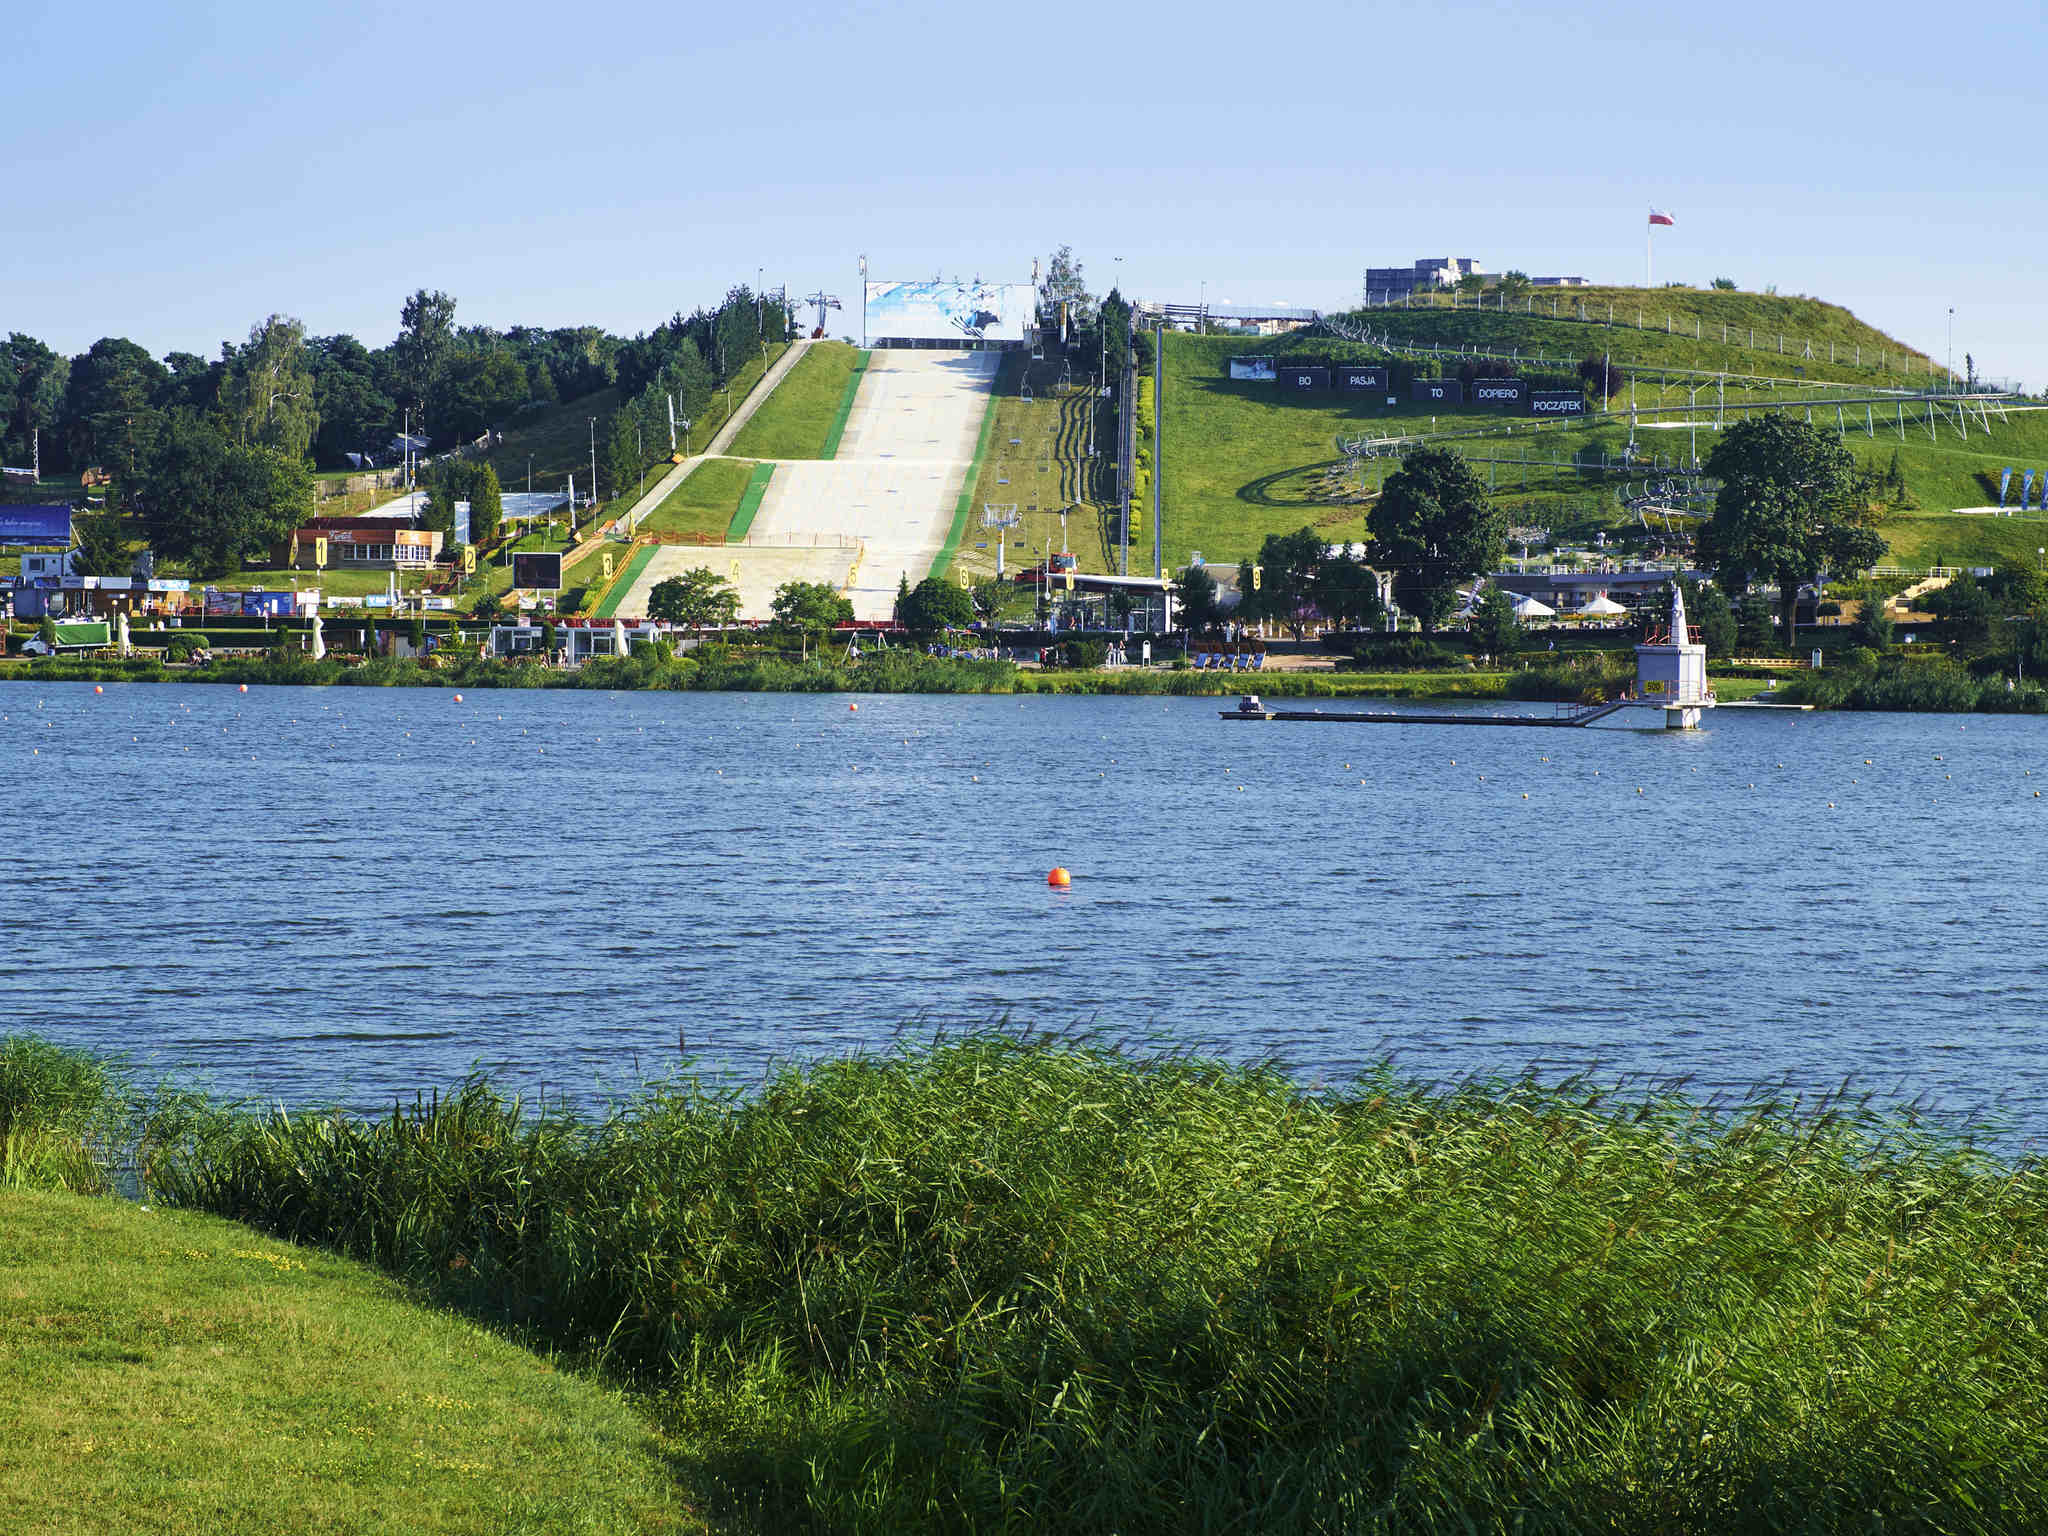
(174, 173)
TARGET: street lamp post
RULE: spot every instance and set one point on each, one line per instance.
(593, 461)
(1951, 366)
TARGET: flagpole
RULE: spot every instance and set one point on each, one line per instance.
(1649, 246)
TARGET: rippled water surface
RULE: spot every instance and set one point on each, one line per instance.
(342, 894)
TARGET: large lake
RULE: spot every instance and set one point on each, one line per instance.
(342, 894)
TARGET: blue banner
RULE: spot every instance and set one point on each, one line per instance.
(2004, 480)
(36, 525)
(2026, 488)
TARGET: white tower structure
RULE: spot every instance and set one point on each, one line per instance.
(1671, 671)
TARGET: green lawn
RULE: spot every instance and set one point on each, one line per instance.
(1037, 461)
(172, 1372)
(705, 503)
(796, 421)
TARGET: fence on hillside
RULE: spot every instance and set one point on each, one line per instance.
(1645, 317)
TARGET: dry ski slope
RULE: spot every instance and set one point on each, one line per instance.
(875, 513)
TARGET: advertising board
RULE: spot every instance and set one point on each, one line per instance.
(540, 570)
(935, 310)
(1251, 370)
(35, 525)
(273, 605)
(1303, 376)
(1366, 376)
(1556, 402)
(1438, 391)
(1499, 392)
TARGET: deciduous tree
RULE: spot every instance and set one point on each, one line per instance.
(426, 335)
(935, 604)
(810, 609)
(696, 598)
(1280, 584)
(1495, 629)
(1434, 526)
(209, 501)
(1783, 512)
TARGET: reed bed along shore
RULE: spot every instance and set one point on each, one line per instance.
(1012, 1283)
(742, 671)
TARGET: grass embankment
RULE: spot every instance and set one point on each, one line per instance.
(1035, 459)
(797, 421)
(557, 441)
(173, 1372)
(705, 504)
(1021, 1284)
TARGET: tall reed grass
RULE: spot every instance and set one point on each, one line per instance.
(64, 1116)
(1007, 1283)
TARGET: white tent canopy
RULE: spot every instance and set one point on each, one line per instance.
(1605, 606)
(1529, 608)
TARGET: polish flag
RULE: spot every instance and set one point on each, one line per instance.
(1658, 216)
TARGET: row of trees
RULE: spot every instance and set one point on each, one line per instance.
(682, 365)
(324, 396)
(214, 455)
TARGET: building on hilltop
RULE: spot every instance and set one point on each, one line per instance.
(1385, 285)
(1430, 274)
(1265, 319)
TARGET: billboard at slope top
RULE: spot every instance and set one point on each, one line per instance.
(35, 525)
(542, 572)
(949, 311)
(1252, 370)
(1556, 402)
(1499, 391)
(1438, 391)
(1303, 376)
(1362, 376)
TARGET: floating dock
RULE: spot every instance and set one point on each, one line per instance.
(1582, 717)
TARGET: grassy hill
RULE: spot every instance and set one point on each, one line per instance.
(802, 419)
(705, 504)
(1243, 460)
(168, 1371)
(1704, 329)
(556, 441)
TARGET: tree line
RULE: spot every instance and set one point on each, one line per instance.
(214, 456)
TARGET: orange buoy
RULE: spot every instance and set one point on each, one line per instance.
(1059, 879)
(853, 709)
(241, 687)
(96, 688)
(458, 698)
